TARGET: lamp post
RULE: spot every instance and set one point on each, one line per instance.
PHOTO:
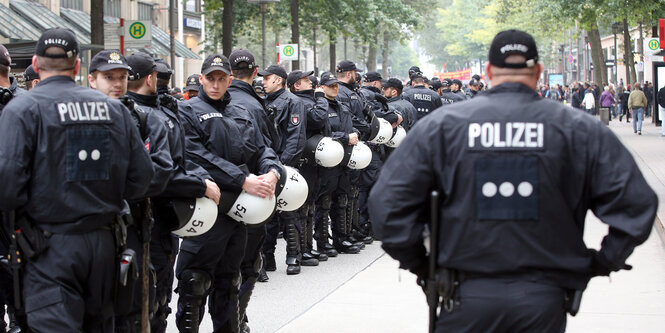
(263, 4)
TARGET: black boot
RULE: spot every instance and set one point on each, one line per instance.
(322, 226)
(269, 263)
(308, 258)
(351, 210)
(292, 249)
(308, 233)
(193, 288)
(338, 214)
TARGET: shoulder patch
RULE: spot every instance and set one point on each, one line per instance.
(295, 119)
(211, 115)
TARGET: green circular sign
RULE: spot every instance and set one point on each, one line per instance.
(137, 30)
(654, 44)
(288, 50)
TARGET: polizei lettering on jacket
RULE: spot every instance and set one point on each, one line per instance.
(506, 136)
(83, 112)
(422, 97)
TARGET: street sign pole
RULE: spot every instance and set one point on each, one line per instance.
(122, 37)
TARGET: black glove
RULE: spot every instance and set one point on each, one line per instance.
(421, 271)
(169, 102)
(601, 267)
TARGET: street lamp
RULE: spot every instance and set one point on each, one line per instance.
(615, 29)
(263, 4)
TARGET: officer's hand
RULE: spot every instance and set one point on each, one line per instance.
(319, 89)
(212, 191)
(257, 186)
(421, 273)
(353, 139)
(271, 179)
(399, 121)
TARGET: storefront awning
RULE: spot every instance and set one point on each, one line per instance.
(43, 18)
(15, 27)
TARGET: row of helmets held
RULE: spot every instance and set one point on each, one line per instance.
(197, 216)
(329, 153)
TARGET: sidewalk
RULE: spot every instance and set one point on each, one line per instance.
(383, 299)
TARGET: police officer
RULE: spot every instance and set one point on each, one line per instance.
(362, 113)
(456, 88)
(180, 179)
(474, 88)
(164, 73)
(244, 71)
(316, 109)
(335, 182)
(511, 218)
(371, 93)
(192, 86)
(423, 99)
(290, 121)
(412, 70)
(447, 96)
(31, 78)
(8, 83)
(224, 139)
(392, 90)
(68, 183)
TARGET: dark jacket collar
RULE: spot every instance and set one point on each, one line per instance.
(247, 88)
(396, 98)
(53, 79)
(512, 87)
(374, 89)
(149, 100)
(274, 95)
(217, 104)
(305, 93)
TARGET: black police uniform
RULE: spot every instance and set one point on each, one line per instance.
(405, 109)
(361, 115)
(333, 196)
(243, 94)
(70, 179)
(512, 220)
(180, 179)
(220, 138)
(290, 121)
(316, 108)
(449, 97)
(423, 99)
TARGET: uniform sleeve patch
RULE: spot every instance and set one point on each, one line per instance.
(295, 119)
(507, 188)
(88, 154)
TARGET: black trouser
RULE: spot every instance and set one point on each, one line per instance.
(218, 253)
(69, 287)
(250, 267)
(505, 305)
(163, 252)
(367, 179)
(272, 231)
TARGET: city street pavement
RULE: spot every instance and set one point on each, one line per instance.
(366, 292)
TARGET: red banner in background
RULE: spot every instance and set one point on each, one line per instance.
(464, 74)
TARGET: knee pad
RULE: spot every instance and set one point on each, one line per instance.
(194, 283)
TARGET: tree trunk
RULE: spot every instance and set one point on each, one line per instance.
(628, 60)
(96, 25)
(295, 32)
(333, 55)
(346, 55)
(227, 27)
(599, 70)
(371, 57)
(384, 55)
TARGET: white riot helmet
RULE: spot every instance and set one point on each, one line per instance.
(397, 138)
(196, 216)
(246, 208)
(357, 156)
(325, 151)
(384, 132)
(294, 193)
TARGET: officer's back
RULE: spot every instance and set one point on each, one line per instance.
(423, 99)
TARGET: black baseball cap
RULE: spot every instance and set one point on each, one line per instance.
(457, 82)
(372, 76)
(414, 69)
(140, 65)
(107, 60)
(163, 68)
(446, 82)
(5, 59)
(435, 84)
(476, 77)
(58, 37)
(296, 76)
(192, 82)
(416, 75)
(328, 79)
(393, 83)
(241, 59)
(511, 42)
(347, 65)
(30, 74)
(216, 62)
(315, 81)
(274, 69)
